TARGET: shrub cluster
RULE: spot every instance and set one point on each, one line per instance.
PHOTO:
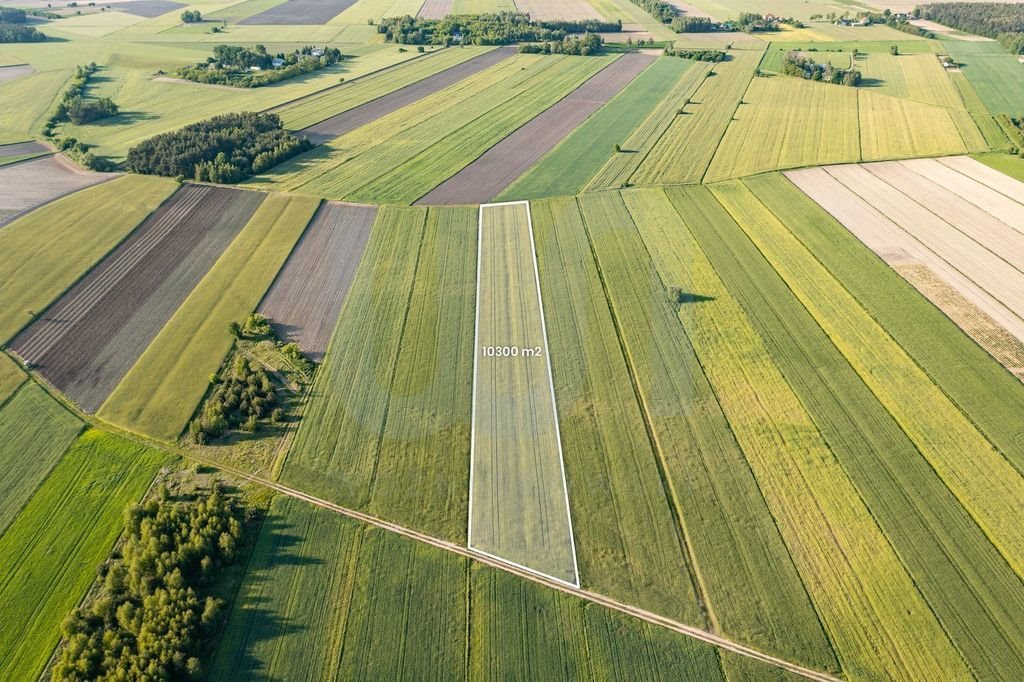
(697, 55)
(1004, 22)
(503, 28)
(590, 43)
(805, 67)
(191, 16)
(695, 25)
(226, 148)
(13, 28)
(245, 68)
(74, 106)
(154, 610)
(241, 398)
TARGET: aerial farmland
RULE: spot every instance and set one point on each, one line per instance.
(511, 340)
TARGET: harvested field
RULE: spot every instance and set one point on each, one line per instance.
(872, 202)
(25, 186)
(300, 12)
(435, 9)
(986, 175)
(148, 8)
(382, 106)
(304, 302)
(500, 165)
(558, 10)
(23, 149)
(1007, 205)
(976, 323)
(88, 340)
(9, 73)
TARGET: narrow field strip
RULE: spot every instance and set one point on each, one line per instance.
(987, 485)
(304, 302)
(362, 114)
(1007, 207)
(435, 9)
(160, 392)
(334, 454)
(620, 166)
(36, 431)
(870, 606)
(301, 12)
(724, 518)
(499, 166)
(67, 529)
(421, 469)
(47, 251)
(87, 341)
(943, 550)
(11, 377)
(1002, 183)
(566, 169)
(628, 542)
(518, 498)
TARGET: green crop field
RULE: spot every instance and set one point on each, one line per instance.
(567, 168)
(159, 394)
(919, 77)
(900, 128)
(366, 10)
(46, 251)
(996, 75)
(37, 430)
(48, 556)
(11, 377)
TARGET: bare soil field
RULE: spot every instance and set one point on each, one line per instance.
(1001, 344)
(435, 9)
(87, 341)
(946, 30)
(22, 148)
(1005, 207)
(503, 163)
(689, 10)
(29, 185)
(936, 234)
(8, 73)
(300, 12)
(558, 10)
(355, 117)
(148, 8)
(306, 298)
(986, 175)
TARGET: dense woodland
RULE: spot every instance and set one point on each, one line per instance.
(251, 68)
(227, 148)
(1004, 22)
(503, 28)
(697, 55)
(802, 66)
(155, 607)
(13, 28)
(589, 43)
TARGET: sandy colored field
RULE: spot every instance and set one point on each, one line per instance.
(25, 186)
(986, 175)
(519, 507)
(1006, 207)
(8, 73)
(891, 127)
(946, 30)
(22, 149)
(1001, 344)
(500, 165)
(558, 10)
(435, 9)
(351, 119)
(909, 5)
(88, 340)
(304, 302)
(899, 240)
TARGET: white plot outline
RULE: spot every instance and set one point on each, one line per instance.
(551, 385)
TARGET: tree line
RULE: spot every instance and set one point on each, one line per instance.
(502, 28)
(1004, 22)
(226, 148)
(76, 108)
(590, 43)
(252, 68)
(155, 612)
(697, 55)
(13, 28)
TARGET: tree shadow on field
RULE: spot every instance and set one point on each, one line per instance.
(124, 118)
(681, 297)
(870, 83)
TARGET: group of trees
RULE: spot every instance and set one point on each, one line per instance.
(697, 55)
(1003, 21)
(13, 27)
(241, 67)
(800, 66)
(191, 16)
(74, 106)
(226, 148)
(695, 25)
(503, 28)
(589, 43)
(154, 612)
(662, 11)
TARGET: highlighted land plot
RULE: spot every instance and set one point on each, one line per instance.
(518, 506)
